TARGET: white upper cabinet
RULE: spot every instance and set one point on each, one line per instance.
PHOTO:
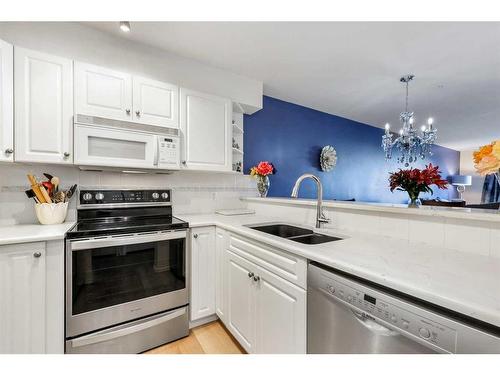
(103, 92)
(155, 102)
(206, 131)
(22, 298)
(6, 102)
(43, 89)
(116, 95)
(202, 272)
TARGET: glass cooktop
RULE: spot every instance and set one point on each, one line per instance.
(125, 224)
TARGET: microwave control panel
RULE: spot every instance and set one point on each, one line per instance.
(168, 152)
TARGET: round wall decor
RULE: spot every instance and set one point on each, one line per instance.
(328, 158)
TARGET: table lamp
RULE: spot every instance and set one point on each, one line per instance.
(461, 182)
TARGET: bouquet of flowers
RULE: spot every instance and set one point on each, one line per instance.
(487, 159)
(415, 181)
(262, 171)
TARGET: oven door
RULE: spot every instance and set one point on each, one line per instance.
(116, 279)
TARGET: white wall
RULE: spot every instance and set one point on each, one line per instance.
(80, 42)
(472, 193)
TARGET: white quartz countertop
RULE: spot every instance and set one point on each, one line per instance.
(20, 233)
(462, 282)
(449, 212)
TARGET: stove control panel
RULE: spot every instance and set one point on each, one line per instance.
(379, 307)
(97, 197)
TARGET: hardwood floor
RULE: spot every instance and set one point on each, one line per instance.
(211, 338)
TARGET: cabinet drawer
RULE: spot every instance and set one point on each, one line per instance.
(286, 265)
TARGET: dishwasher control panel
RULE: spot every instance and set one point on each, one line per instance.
(394, 312)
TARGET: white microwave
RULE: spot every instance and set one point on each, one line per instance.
(101, 142)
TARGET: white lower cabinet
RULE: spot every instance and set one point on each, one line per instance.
(221, 244)
(280, 313)
(266, 313)
(202, 302)
(240, 318)
(32, 298)
(262, 309)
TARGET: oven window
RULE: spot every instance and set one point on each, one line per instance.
(110, 276)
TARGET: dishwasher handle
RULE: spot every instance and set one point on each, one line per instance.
(372, 325)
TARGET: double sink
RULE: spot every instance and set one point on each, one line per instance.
(293, 233)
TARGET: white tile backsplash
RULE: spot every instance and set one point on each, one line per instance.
(192, 192)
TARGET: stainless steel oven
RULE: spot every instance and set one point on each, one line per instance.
(125, 279)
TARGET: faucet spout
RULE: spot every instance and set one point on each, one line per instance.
(320, 217)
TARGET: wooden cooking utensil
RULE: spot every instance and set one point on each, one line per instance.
(46, 195)
(36, 188)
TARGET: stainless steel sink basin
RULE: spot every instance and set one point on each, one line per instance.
(314, 239)
(293, 233)
(282, 230)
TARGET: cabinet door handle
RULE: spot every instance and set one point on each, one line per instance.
(256, 278)
(250, 274)
(37, 254)
(184, 162)
(195, 235)
(9, 151)
(137, 113)
(127, 111)
(66, 154)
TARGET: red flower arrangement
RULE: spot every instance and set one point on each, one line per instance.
(264, 168)
(415, 181)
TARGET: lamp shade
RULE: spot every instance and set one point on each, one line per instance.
(461, 180)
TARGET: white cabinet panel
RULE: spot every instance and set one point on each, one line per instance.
(6, 101)
(155, 102)
(240, 307)
(22, 298)
(280, 315)
(221, 245)
(103, 92)
(206, 131)
(202, 272)
(43, 107)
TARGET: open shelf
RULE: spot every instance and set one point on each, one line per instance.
(237, 129)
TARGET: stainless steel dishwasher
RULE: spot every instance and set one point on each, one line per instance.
(348, 315)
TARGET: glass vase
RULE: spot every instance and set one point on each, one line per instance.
(414, 201)
(263, 184)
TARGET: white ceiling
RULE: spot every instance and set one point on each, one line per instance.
(353, 69)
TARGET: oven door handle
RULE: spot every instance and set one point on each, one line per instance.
(122, 240)
(114, 333)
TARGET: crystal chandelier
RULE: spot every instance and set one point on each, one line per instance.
(410, 145)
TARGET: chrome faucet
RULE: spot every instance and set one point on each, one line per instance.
(320, 216)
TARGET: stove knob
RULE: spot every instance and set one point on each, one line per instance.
(87, 196)
(155, 195)
(99, 196)
(164, 195)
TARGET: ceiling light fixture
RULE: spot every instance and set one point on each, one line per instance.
(125, 26)
(410, 145)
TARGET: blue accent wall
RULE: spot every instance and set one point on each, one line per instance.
(291, 137)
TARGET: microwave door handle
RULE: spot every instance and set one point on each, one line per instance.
(96, 243)
(157, 151)
(120, 332)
